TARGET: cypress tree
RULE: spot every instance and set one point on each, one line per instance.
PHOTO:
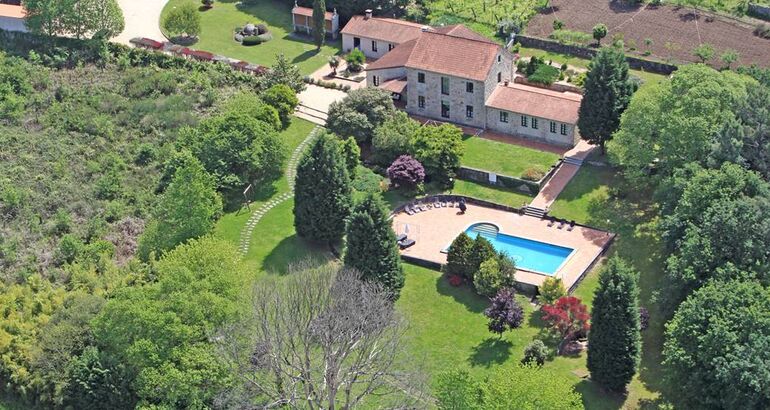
(607, 93)
(319, 22)
(481, 250)
(371, 245)
(459, 255)
(322, 197)
(614, 342)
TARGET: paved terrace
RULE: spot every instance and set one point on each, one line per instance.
(433, 230)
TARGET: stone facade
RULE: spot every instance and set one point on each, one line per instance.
(543, 132)
(372, 48)
(459, 99)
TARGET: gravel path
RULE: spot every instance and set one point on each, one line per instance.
(142, 19)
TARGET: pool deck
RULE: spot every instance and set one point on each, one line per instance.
(434, 229)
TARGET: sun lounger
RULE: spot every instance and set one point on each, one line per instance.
(561, 224)
(408, 210)
(406, 243)
(401, 237)
(551, 222)
(422, 207)
(571, 226)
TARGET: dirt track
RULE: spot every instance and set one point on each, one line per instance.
(675, 31)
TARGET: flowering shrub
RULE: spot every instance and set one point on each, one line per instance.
(406, 170)
(455, 280)
(644, 318)
(568, 317)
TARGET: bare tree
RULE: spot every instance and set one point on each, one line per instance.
(321, 338)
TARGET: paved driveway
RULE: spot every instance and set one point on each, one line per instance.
(142, 19)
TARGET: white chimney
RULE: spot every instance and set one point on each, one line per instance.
(367, 14)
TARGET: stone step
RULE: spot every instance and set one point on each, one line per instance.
(573, 161)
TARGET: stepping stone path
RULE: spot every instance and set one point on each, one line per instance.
(291, 173)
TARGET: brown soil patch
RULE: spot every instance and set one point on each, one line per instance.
(675, 31)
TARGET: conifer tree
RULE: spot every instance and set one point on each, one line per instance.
(459, 256)
(322, 197)
(319, 22)
(607, 93)
(371, 245)
(614, 342)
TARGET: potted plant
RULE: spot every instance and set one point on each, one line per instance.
(334, 63)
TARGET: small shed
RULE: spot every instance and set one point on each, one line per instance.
(12, 17)
(302, 19)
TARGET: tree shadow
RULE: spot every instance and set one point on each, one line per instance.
(305, 56)
(234, 200)
(464, 295)
(292, 250)
(592, 393)
(490, 351)
(620, 6)
(184, 40)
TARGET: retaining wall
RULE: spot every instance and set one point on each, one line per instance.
(521, 185)
(759, 11)
(588, 53)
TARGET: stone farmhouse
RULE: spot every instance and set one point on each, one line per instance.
(455, 75)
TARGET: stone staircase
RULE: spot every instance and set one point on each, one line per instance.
(573, 161)
(533, 211)
(311, 114)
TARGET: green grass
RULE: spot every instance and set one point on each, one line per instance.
(218, 25)
(480, 15)
(505, 159)
(587, 190)
(499, 195)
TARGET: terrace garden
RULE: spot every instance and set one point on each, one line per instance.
(513, 160)
(219, 23)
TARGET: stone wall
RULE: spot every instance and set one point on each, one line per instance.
(521, 185)
(759, 11)
(458, 98)
(588, 53)
(560, 87)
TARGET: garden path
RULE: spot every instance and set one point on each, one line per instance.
(291, 171)
(573, 159)
(142, 20)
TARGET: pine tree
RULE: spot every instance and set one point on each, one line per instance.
(319, 22)
(371, 245)
(322, 198)
(607, 93)
(614, 343)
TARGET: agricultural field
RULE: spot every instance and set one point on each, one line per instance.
(663, 32)
(481, 15)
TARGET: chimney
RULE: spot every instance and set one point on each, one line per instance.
(424, 28)
(367, 14)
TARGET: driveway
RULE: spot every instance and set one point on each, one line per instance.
(142, 19)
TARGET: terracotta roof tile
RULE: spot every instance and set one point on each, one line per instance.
(453, 55)
(397, 85)
(537, 102)
(458, 30)
(385, 29)
(395, 58)
(307, 11)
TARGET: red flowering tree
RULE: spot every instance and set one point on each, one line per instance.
(406, 170)
(568, 317)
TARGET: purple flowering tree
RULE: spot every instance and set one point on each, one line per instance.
(504, 313)
(407, 171)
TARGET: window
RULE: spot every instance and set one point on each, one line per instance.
(375, 80)
(553, 127)
(445, 85)
(523, 120)
(534, 123)
(421, 78)
(499, 58)
(390, 47)
(564, 129)
(420, 101)
(469, 87)
(374, 46)
(445, 109)
(499, 77)
(503, 116)
(468, 111)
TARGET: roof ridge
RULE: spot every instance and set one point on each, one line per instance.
(544, 91)
(395, 20)
(490, 42)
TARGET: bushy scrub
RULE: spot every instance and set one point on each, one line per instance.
(535, 353)
(544, 74)
(494, 274)
(551, 290)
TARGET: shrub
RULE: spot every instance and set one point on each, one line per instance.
(558, 24)
(491, 277)
(262, 29)
(504, 313)
(551, 290)
(536, 352)
(251, 41)
(393, 138)
(439, 149)
(568, 318)
(356, 60)
(570, 37)
(459, 256)
(406, 170)
(265, 37)
(533, 173)
(455, 280)
(368, 181)
(283, 99)
(544, 74)
(762, 30)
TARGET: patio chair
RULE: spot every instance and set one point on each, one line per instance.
(561, 224)
(401, 237)
(571, 226)
(436, 202)
(406, 243)
(551, 222)
(408, 209)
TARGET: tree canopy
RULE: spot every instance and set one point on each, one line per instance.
(183, 20)
(79, 18)
(439, 149)
(360, 113)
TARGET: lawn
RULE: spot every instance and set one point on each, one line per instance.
(588, 190)
(504, 159)
(498, 195)
(218, 25)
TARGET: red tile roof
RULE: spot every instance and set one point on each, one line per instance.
(306, 11)
(385, 29)
(537, 102)
(397, 85)
(453, 50)
(13, 11)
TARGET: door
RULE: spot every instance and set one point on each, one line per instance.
(356, 43)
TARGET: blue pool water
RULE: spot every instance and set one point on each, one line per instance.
(531, 255)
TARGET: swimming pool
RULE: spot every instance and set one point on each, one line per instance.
(539, 257)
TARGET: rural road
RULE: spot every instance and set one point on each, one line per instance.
(142, 19)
